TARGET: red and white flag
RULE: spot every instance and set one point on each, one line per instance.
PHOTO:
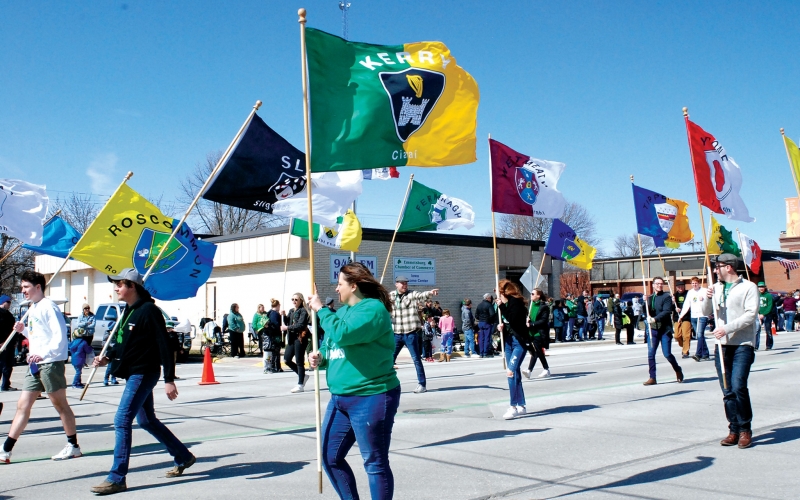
(751, 253)
(717, 177)
(383, 174)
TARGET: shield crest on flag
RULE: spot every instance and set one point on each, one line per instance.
(571, 250)
(527, 185)
(412, 94)
(666, 213)
(148, 247)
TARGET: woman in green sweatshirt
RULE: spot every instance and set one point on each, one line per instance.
(358, 356)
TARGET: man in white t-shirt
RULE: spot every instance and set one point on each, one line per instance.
(47, 344)
(694, 304)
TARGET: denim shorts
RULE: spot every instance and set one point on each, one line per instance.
(51, 378)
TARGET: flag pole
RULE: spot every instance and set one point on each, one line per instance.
(496, 265)
(314, 339)
(286, 260)
(705, 249)
(741, 246)
(396, 227)
(664, 268)
(13, 250)
(202, 190)
(644, 285)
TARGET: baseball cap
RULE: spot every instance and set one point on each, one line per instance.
(401, 279)
(4, 299)
(727, 258)
(129, 274)
(328, 301)
(762, 284)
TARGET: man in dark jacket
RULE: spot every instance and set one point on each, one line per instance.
(661, 308)
(141, 349)
(486, 317)
(6, 330)
(583, 315)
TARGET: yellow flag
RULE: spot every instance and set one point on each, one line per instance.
(721, 240)
(579, 253)
(794, 160)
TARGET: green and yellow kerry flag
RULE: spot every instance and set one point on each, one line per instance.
(375, 106)
(346, 235)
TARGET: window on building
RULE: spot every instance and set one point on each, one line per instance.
(597, 273)
(610, 271)
(626, 270)
(637, 270)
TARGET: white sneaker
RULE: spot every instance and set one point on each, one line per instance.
(5, 457)
(420, 389)
(305, 379)
(544, 374)
(511, 413)
(299, 388)
(527, 374)
(69, 451)
(521, 410)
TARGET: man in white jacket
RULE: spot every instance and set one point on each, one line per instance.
(695, 300)
(736, 302)
(47, 339)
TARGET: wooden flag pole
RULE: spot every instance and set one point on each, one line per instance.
(202, 190)
(664, 268)
(707, 260)
(396, 227)
(791, 165)
(314, 339)
(741, 246)
(286, 260)
(644, 286)
(13, 250)
(496, 265)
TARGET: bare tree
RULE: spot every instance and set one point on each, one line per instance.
(216, 218)
(523, 227)
(574, 282)
(79, 210)
(627, 245)
(12, 266)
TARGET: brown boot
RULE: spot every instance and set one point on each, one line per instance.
(447, 357)
(745, 439)
(731, 440)
(650, 381)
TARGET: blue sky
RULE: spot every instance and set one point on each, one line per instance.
(92, 89)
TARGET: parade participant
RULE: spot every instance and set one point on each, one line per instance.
(236, 331)
(486, 317)
(138, 355)
(661, 307)
(260, 320)
(46, 332)
(539, 327)
(297, 337)
(271, 339)
(468, 327)
(514, 330)
(6, 357)
(447, 325)
(737, 304)
(693, 305)
(682, 328)
(365, 391)
(766, 315)
(407, 325)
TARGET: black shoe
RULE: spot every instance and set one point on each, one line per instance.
(631, 343)
(685, 356)
(696, 357)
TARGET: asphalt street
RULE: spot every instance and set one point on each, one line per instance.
(592, 431)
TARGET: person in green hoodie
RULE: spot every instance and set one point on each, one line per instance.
(260, 321)
(358, 356)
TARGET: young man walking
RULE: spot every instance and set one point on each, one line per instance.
(660, 307)
(737, 303)
(695, 299)
(141, 349)
(682, 328)
(47, 339)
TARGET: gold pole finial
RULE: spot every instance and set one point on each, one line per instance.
(258, 105)
(302, 14)
(782, 133)
(685, 111)
(128, 176)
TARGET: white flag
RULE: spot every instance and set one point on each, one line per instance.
(729, 198)
(549, 202)
(23, 209)
(332, 194)
(531, 276)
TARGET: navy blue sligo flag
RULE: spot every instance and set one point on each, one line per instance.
(58, 238)
(263, 169)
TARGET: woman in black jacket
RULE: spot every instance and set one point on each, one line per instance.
(514, 330)
(617, 313)
(297, 338)
(539, 323)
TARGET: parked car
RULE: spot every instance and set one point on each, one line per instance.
(628, 296)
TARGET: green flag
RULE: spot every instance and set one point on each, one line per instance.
(345, 235)
(429, 210)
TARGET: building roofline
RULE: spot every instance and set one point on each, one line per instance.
(765, 253)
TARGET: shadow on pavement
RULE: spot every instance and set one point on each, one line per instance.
(561, 376)
(483, 436)
(699, 379)
(261, 470)
(217, 400)
(777, 436)
(653, 476)
(559, 410)
(466, 387)
(451, 376)
(676, 393)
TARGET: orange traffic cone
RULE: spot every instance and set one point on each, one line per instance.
(774, 330)
(208, 369)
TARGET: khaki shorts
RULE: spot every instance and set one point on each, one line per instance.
(50, 378)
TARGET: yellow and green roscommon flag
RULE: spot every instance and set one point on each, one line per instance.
(346, 235)
(375, 106)
(129, 233)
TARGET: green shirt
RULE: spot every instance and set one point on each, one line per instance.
(572, 308)
(765, 304)
(260, 320)
(535, 306)
(358, 349)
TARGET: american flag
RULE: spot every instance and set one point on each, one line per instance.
(788, 264)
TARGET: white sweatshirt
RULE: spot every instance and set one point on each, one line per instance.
(46, 331)
(694, 301)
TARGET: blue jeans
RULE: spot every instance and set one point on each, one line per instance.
(779, 322)
(768, 328)
(789, 321)
(367, 420)
(570, 326)
(584, 325)
(736, 397)
(447, 343)
(469, 342)
(515, 354)
(410, 340)
(76, 381)
(665, 339)
(484, 337)
(601, 326)
(699, 327)
(109, 375)
(137, 400)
